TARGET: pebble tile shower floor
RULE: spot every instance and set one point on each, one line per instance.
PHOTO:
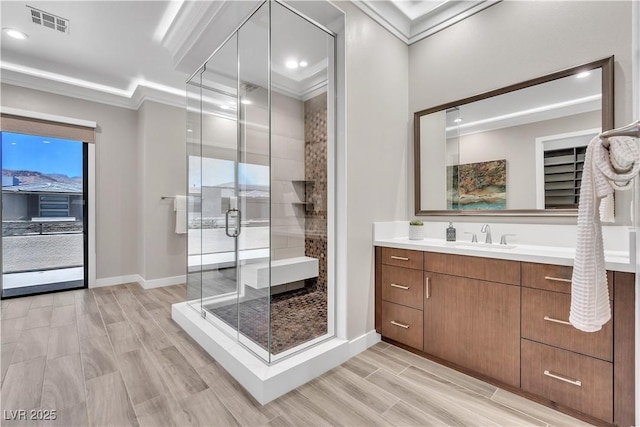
(296, 317)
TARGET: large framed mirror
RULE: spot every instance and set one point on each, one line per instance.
(517, 151)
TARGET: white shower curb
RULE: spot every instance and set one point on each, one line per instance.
(264, 382)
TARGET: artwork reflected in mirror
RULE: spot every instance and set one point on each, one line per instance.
(516, 150)
(477, 186)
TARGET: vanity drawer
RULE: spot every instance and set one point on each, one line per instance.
(402, 258)
(402, 324)
(545, 316)
(402, 286)
(491, 269)
(553, 277)
(570, 379)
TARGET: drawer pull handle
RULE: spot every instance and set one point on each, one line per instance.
(399, 258)
(551, 319)
(557, 279)
(394, 285)
(402, 325)
(566, 380)
(427, 286)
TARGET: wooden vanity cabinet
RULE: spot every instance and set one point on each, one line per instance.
(508, 321)
(399, 295)
(474, 324)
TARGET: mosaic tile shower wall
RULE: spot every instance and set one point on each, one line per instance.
(315, 167)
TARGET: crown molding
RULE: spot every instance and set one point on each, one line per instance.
(450, 14)
(412, 31)
(130, 98)
(387, 15)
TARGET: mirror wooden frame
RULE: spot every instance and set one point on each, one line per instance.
(605, 64)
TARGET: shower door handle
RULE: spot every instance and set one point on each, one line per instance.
(226, 223)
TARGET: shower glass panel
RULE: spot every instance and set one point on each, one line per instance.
(301, 77)
(259, 146)
(194, 191)
(254, 183)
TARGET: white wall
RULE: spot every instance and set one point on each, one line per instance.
(116, 165)
(377, 152)
(514, 41)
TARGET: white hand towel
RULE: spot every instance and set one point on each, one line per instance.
(604, 171)
(180, 208)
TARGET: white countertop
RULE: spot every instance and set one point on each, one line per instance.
(619, 245)
(614, 260)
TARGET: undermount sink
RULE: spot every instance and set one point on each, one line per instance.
(478, 245)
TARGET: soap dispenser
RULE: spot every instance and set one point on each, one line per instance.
(451, 233)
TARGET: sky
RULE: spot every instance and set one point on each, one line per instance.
(40, 154)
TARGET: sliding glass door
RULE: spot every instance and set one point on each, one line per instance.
(44, 214)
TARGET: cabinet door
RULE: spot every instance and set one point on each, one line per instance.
(474, 324)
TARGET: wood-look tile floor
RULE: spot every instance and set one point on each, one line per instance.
(113, 357)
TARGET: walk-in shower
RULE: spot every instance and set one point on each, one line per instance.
(260, 138)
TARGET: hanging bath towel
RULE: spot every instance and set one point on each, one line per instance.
(605, 170)
(180, 208)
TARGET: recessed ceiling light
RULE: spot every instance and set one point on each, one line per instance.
(246, 102)
(583, 74)
(292, 64)
(15, 34)
(303, 64)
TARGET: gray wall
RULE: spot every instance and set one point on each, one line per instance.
(116, 165)
(515, 41)
(377, 152)
(15, 206)
(516, 144)
(162, 163)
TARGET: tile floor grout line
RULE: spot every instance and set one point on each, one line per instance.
(493, 394)
(516, 409)
(117, 361)
(400, 373)
(377, 369)
(44, 372)
(144, 347)
(84, 379)
(446, 379)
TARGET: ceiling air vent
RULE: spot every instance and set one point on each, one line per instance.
(49, 20)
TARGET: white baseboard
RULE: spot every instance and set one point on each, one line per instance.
(164, 281)
(146, 284)
(116, 280)
(363, 342)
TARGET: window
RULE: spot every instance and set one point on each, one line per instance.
(53, 206)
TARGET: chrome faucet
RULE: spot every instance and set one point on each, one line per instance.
(486, 229)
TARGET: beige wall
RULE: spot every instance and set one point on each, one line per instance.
(162, 162)
(515, 41)
(116, 165)
(377, 152)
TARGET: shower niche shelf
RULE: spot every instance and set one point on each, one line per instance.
(304, 186)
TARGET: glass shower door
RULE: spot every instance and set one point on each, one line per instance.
(254, 187)
(229, 186)
(217, 171)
